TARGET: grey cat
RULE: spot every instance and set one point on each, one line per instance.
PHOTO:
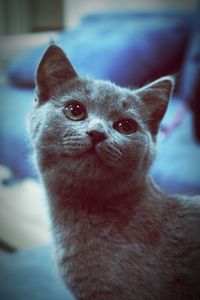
(116, 235)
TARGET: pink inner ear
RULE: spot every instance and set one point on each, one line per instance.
(153, 102)
(53, 70)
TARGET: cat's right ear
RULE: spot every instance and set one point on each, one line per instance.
(54, 69)
(154, 99)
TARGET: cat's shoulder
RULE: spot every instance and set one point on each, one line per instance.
(181, 221)
(183, 203)
(189, 202)
(184, 210)
(173, 202)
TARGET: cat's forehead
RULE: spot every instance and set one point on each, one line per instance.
(102, 94)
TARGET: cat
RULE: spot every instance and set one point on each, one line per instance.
(116, 234)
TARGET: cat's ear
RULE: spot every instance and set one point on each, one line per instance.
(153, 101)
(53, 70)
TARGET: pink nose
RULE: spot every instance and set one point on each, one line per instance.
(97, 136)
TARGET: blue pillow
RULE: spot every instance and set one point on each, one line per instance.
(31, 275)
(176, 168)
(15, 150)
(126, 48)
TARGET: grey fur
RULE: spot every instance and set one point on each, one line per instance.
(116, 235)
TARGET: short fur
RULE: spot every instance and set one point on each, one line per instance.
(116, 235)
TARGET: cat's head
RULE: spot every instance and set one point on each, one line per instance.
(94, 129)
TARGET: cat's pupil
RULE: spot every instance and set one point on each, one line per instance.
(126, 126)
(74, 111)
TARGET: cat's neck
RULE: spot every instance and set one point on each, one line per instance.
(125, 208)
(96, 199)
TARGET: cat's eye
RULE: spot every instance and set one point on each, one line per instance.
(126, 126)
(74, 111)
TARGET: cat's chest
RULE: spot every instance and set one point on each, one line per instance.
(93, 244)
(92, 237)
(86, 238)
(91, 249)
(85, 248)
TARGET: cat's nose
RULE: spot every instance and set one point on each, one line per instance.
(97, 136)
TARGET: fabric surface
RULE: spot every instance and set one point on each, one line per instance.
(177, 166)
(15, 150)
(30, 275)
(126, 48)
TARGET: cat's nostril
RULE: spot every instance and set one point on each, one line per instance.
(97, 136)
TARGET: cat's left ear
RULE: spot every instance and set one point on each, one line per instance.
(153, 101)
(54, 69)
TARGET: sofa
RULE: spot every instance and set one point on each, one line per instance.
(131, 49)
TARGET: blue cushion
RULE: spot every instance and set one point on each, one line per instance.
(126, 48)
(15, 150)
(30, 275)
(176, 168)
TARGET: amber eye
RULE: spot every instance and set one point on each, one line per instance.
(74, 111)
(126, 126)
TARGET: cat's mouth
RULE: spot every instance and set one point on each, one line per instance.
(92, 153)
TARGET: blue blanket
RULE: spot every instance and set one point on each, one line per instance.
(30, 275)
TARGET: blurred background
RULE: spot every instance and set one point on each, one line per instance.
(128, 42)
(28, 16)
(23, 16)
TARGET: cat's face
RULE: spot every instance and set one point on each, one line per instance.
(94, 128)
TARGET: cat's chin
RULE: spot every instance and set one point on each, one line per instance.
(90, 156)
(107, 163)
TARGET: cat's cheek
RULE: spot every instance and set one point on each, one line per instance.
(75, 148)
(134, 157)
